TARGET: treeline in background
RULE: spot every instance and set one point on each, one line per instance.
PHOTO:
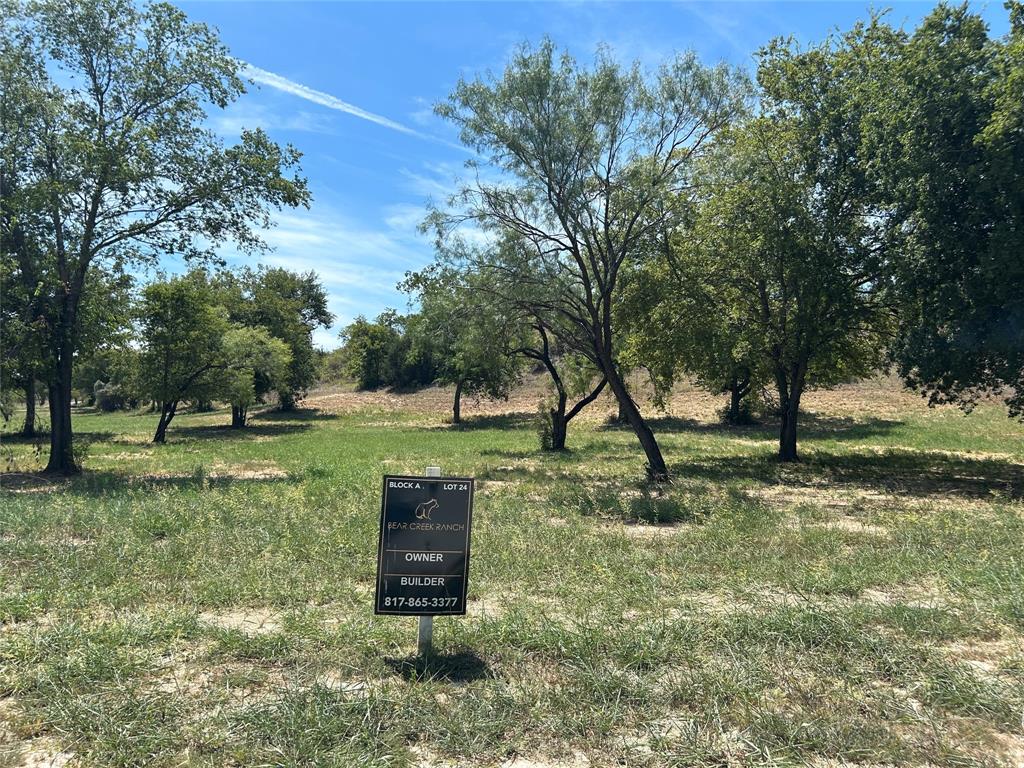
(849, 206)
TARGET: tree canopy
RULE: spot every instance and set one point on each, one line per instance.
(947, 145)
(587, 156)
(119, 166)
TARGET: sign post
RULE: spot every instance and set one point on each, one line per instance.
(423, 554)
(425, 632)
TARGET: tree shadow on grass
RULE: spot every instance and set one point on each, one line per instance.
(191, 432)
(460, 667)
(493, 421)
(811, 426)
(104, 483)
(43, 438)
(299, 414)
(895, 471)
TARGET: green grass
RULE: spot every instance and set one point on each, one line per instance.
(208, 602)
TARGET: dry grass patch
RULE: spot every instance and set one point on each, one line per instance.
(926, 595)
(251, 621)
(42, 752)
(990, 657)
(26, 750)
(250, 470)
(640, 530)
(824, 496)
(578, 760)
(852, 525)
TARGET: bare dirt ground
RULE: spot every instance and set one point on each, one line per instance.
(882, 398)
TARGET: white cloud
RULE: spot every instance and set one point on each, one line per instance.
(247, 114)
(359, 265)
(423, 116)
(405, 219)
(434, 185)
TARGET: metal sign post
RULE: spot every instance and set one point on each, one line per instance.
(423, 554)
(425, 635)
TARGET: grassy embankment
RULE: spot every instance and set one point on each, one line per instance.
(208, 602)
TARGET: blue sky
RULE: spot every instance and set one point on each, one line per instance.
(352, 86)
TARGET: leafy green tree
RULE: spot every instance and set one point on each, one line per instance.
(585, 156)
(251, 354)
(533, 305)
(291, 306)
(111, 367)
(678, 328)
(948, 143)
(24, 278)
(369, 351)
(22, 357)
(182, 334)
(786, 246)
(121, 163)
(332, 367)
(469, 338)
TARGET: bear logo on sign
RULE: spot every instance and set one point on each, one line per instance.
(424, 509)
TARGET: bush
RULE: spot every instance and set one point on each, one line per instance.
(545, 428)
(743, 418)
(108, 397)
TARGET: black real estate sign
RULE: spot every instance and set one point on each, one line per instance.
(423, 555)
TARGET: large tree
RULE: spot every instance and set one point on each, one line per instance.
(182, 329)
(584, 156)
(948, 138)
(787, 244)
(121, 166)
(290, 306)
(469, 338)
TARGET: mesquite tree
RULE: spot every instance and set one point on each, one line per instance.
(533, 302)
(121, 164)
(584, 156)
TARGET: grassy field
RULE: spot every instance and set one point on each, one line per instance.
(208, 602)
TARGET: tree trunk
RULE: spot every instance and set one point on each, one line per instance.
(620, 417)
(790, 409)
(559, 424)
(656, 468)
(738, 389)
(787, 433)
(62, 457)
(735, 396)
(29, 430)
(238, 414)
(167, 411)
(286, 400)
(457, 405)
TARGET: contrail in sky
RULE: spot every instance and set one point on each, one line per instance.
(323, 99)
